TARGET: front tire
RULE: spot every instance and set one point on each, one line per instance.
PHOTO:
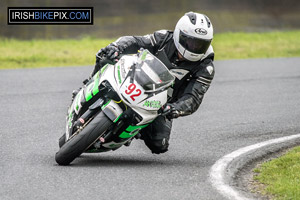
(62, 140)
(79, 143)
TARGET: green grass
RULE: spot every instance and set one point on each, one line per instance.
(257, 45)
(281, 176)
(42, 53)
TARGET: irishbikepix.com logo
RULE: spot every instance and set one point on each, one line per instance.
(53, 15)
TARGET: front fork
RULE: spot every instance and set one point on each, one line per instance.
(92, 110)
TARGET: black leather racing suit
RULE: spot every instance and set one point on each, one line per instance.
(192, 81)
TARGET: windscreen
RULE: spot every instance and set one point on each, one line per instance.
(151, 73)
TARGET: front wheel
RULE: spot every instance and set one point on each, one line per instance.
(80, 142)
(62, 140)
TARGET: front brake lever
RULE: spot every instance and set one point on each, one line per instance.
(163, 111)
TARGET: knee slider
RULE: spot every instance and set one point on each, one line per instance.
(159, 146)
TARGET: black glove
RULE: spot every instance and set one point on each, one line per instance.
(170, 111)
(111, 52)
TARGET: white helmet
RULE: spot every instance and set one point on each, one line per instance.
(192, 35)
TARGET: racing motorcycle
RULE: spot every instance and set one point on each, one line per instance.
(114, 105)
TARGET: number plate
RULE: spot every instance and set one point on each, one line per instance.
(133, 92)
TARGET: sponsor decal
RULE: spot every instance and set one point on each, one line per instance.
(50, 15)
(200, 31)
(123, 72)
(152, 104)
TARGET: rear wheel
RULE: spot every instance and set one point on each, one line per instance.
(80, 142)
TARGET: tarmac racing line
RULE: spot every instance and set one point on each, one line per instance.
(223, 173)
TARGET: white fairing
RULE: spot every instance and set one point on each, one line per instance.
(144, 90)
(144, 105)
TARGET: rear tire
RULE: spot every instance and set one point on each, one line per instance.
(79, 143)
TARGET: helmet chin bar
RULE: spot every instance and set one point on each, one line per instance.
(188, 55)
(184, 53)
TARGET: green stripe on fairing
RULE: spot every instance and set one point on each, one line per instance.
(103, 68)
(77, 103)
(144, 55)
(70, 119)
(119, 74)
(89, 93)
(129, 129)
(96, 83)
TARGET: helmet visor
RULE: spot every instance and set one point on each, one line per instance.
(193, 44)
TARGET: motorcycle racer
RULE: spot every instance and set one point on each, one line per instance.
(188, 54)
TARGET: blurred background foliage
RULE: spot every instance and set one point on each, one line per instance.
(114, 18)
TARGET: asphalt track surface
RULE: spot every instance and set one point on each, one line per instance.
(250, 101)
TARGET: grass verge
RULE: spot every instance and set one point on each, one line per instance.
(281, 176)
(42, 53)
